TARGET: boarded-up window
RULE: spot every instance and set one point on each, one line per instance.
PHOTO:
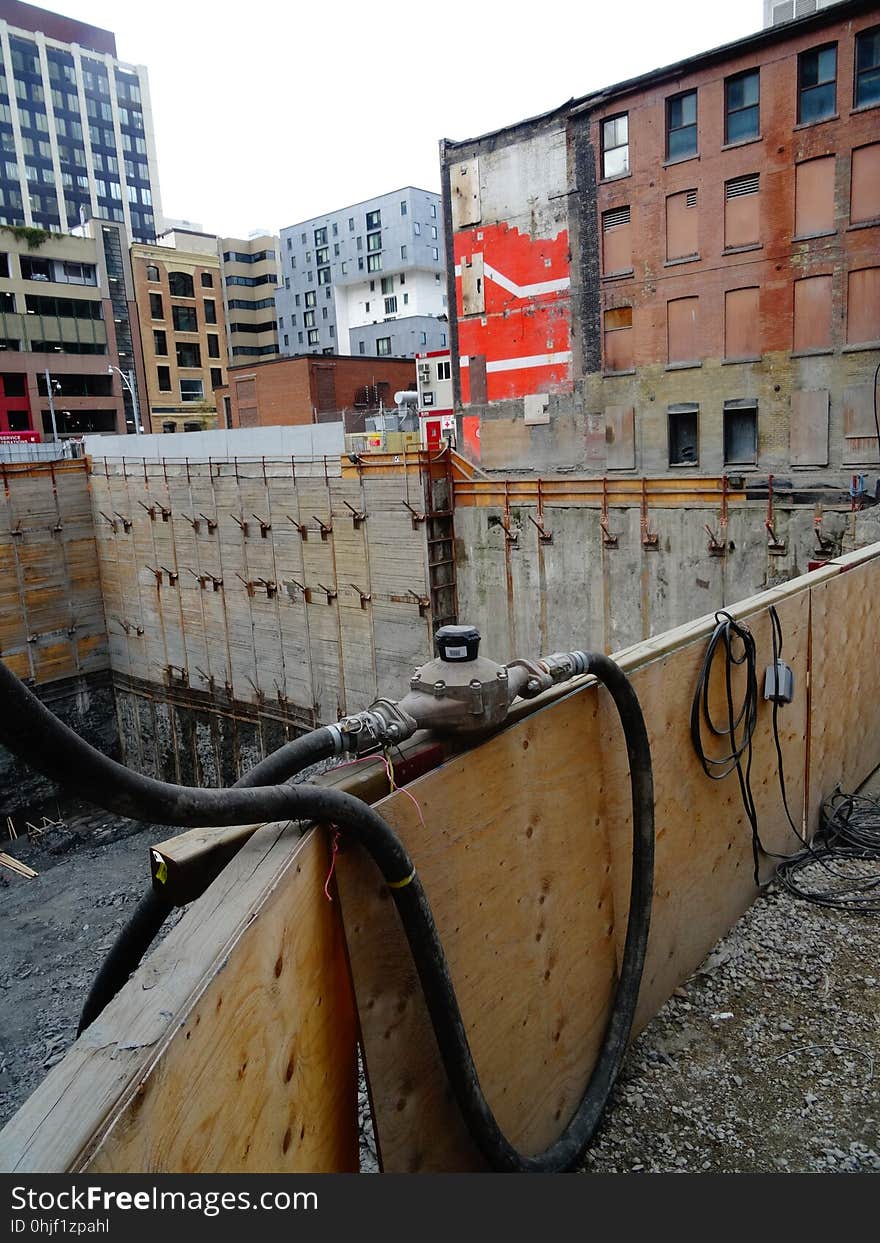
(741, 215)
(814, 197)
(865, 196)
(808, 434)
(863, 307)
(859, 428)
(812, 313)
(681, 225)
(742, 325)
(473, 292)
(619, 353)
(616, 241)
(684, 432)
(682, 330)
(620, 442)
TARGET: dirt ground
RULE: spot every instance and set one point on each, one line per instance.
(768, 1059)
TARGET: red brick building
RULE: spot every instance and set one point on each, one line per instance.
(313, 388)
(682, 273)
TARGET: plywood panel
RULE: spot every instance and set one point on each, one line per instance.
(814, 197)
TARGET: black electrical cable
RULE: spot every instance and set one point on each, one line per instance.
(140, 931)
(849, 833)
(56, 751)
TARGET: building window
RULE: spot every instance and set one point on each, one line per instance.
(192, 390)
(210, 311)
(864, 203)
(309, 319)
(403, 252)
(374, 220)
(616, 241)
(181, 285)
(160, 342)
(435, 253)
(618, 339)
(740, 434)
(417, 228)
(302, 239)
(213, 345)
(741, 213)
(184, 319)
(152, 272)
(383, 346)
(323, 276)
(156, 310)
(286, 339)
(391, 306)
(683, 330)
(681, 126)
(742, 106)
(207, 280)
(189, 354)
(335, 229)
(812, 314)
(403, 207)
(321, 237)
(351, 224)
(374, 241)
(406, 299)
(423, 338)
(169, 427)
(314, 336)
(344, 267)
(444, 371)
(374, 263)
(311, 298)
(332, 331)
(323, 312)
(434, 210)
(289, 243)
(863, 307)
(322, 255)
(684, 446)
(817, 83)
(742, 324)
(163, 379)
(682, 221)
(216, 377)
(867, 87)
(299, 337)
(615, 146)
(433, 231)
(387, 284)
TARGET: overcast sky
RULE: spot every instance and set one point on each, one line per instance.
(269, 113)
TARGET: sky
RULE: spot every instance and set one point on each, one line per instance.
(267, 114)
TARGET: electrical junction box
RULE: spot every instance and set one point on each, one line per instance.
(779, 683)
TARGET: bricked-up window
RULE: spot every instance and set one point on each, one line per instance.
(682, 216)
(684, 433)
(620, 444)
(160, 341)
(615, 146)
(742, 106)
(742, 326)
(616, 241)
(163, 379)
(812, 314)
(619, 354)
(156, 311)
(817, 83)
(741, 211)
(814, 197)
(682, 330)
(383, 346)
(681, 126)
(867, 67)
(865, 191)
(863, 307)
(808, 434)
(740, 433)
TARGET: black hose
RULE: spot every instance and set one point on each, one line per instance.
(140, 931)
(63, 755)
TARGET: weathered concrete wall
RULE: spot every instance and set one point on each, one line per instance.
(52, 629)
(530, 598)
(234, 619)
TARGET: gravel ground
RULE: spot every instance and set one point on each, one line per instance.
(767, 1060)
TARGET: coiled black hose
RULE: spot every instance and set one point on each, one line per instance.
(58, 752)
(140, 931)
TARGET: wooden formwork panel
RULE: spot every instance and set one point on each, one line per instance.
(526, 864)
(139, 1092)
(845, 707)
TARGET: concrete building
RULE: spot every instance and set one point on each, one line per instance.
(65, 309)
(308, 389)
(680, 273)
(183, 334)
(76, 130)
(249, 269)
(366, 279)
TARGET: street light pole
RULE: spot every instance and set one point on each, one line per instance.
(128, 381)
(51, 406)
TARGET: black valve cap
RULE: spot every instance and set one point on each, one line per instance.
(457, 643)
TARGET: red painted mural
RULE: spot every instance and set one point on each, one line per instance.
(524, 331)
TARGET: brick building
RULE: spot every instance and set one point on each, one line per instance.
(313, 388)
(682, 272)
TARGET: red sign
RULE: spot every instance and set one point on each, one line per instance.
(32, 438)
